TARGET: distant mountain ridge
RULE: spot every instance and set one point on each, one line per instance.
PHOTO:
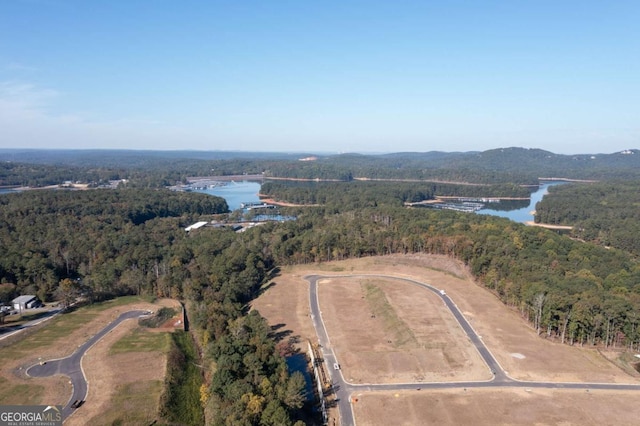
(502, 165)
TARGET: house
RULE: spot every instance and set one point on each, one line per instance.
(21, 303)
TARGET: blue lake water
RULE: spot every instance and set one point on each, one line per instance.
(235, 193)
(522, 214)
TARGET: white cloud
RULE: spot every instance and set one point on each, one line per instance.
(25, 95)
(28, 119)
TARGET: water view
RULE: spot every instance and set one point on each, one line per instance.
(524, 214)
(235, 193)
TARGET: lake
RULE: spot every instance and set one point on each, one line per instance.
(235, 193)
(523, 214)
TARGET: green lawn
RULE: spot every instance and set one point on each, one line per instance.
(119, 301)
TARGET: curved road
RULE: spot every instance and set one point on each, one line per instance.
(71, 365)
(344, 389)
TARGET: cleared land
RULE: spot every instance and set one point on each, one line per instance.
(522, 353)
(497, 407)
(125, 371)
(386, 331)
(285, 303)
(131, 373)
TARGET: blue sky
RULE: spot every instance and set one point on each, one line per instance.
(343, 76)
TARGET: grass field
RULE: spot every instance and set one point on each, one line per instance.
(126, 372)
(141, 340)
(127, 364)
(137, 404)
(18, 394)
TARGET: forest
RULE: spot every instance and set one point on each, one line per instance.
(102, 243)
(605, 213)
(357, 194)
(61, 244)
(515, 166)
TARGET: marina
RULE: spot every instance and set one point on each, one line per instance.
(518, 210)
(464, 206)
(243, 195)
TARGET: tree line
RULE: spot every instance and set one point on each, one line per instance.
(114, 241)
(358, 194)
(146, 169)
(605, 213)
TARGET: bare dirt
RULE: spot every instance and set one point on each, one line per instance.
(548, 225)
(387, 331)
(497, 407)
(285, 204)
(512, 341)
(285, 304)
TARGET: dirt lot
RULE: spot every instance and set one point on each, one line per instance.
(386, 331)
(523, 354)
(285, 304)
(497, 407)
(60, 338)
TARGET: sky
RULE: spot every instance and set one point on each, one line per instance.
(320, 76)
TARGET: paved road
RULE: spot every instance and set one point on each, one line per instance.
(71, 365)
(344, 389)
(14, 330)
(340, 385)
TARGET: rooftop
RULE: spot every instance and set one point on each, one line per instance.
(23, 299)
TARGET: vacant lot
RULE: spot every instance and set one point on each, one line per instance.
(125, 371)
(105, 370)
(387, 331)
(410, 318)
(285, 304)
(497, 407)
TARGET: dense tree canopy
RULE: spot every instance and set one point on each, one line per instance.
(161, 168)
(357, 194)
(115, 241)
(606, 213)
